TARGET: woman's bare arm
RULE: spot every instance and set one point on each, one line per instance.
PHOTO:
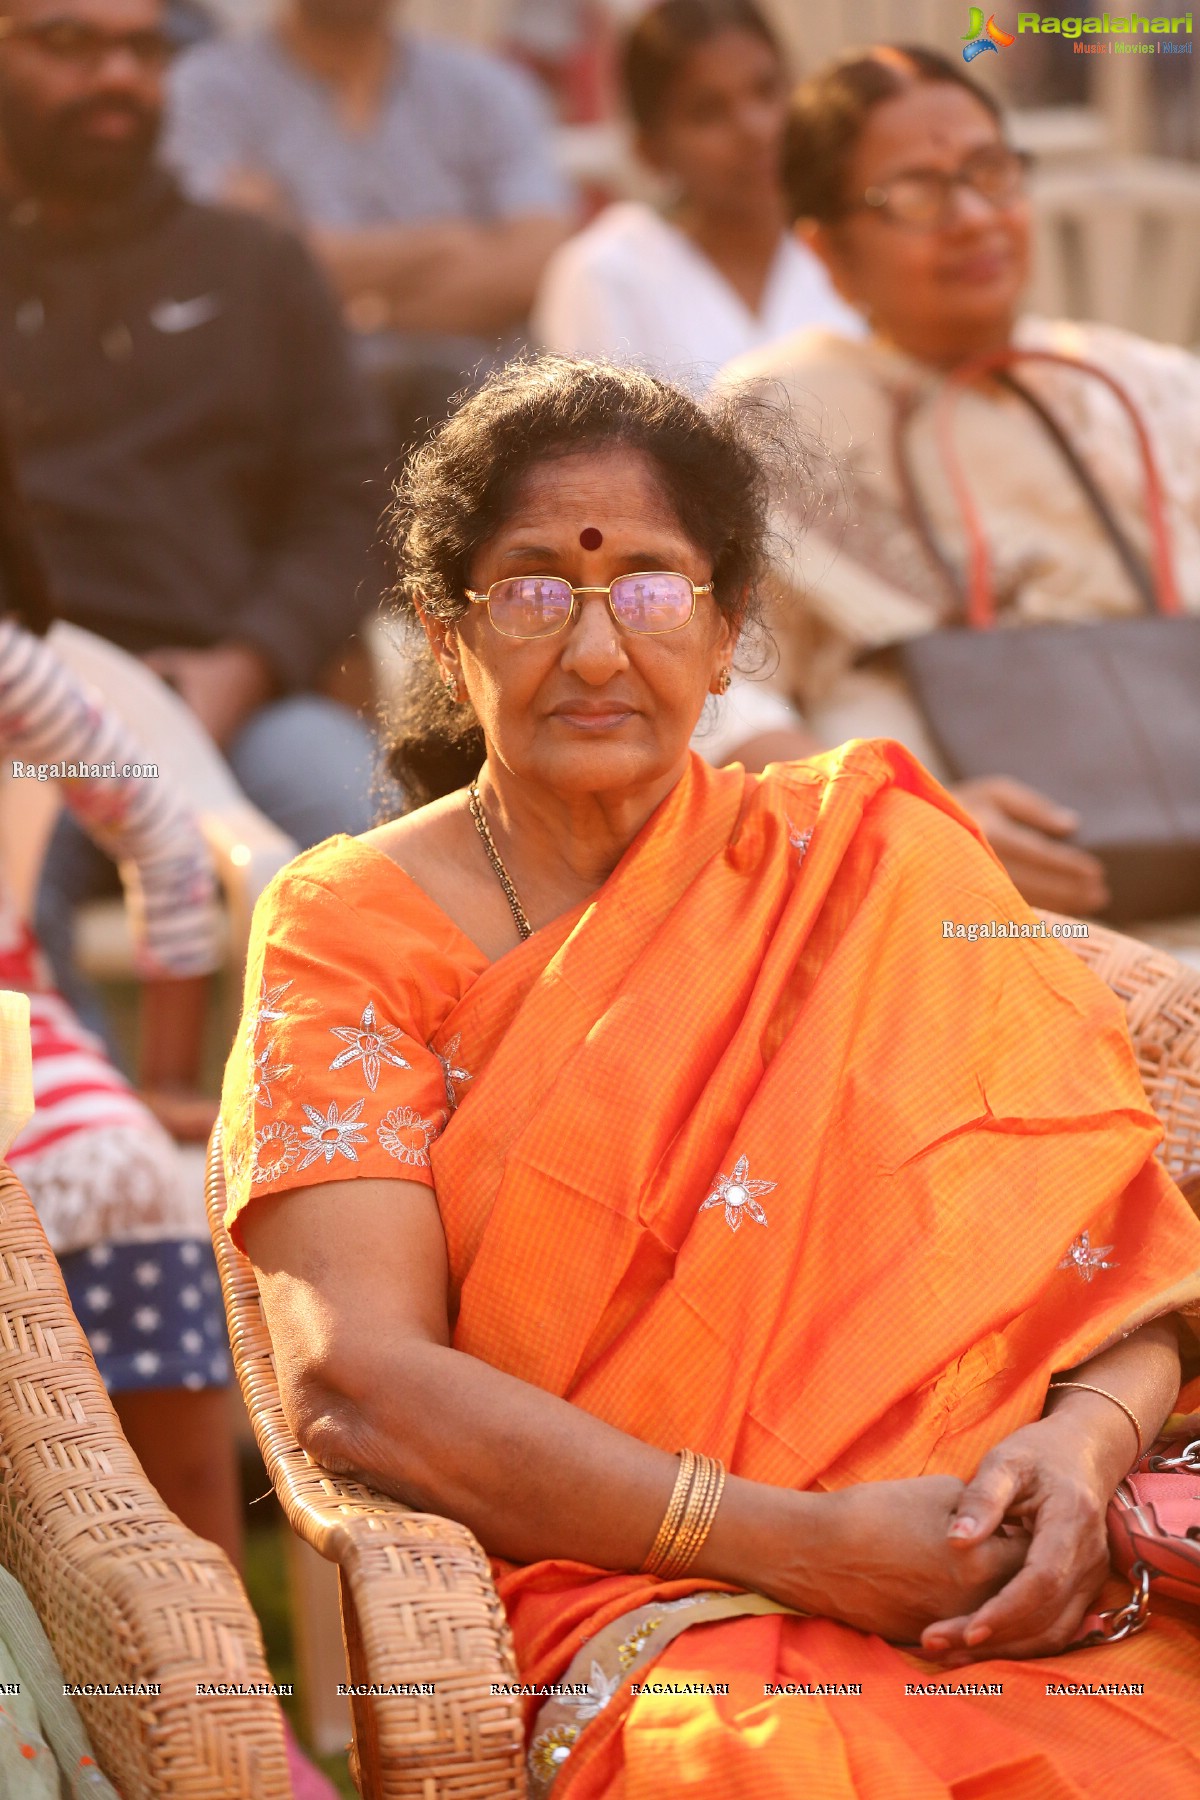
(1143, 1371)
(354, 1282)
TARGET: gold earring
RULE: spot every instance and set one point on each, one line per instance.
(724, 680)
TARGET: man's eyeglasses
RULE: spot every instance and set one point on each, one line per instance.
(536, 606)
(927, 199)
(75, 41)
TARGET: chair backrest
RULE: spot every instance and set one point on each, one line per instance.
(1118, 240)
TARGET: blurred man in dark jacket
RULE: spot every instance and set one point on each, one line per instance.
(199, 456)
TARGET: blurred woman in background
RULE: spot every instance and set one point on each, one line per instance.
(715, 273)
(900, 173)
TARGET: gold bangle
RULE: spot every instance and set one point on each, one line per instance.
(1088, 1388)
(701, 1510)
(674, 1513)
(702, 1514)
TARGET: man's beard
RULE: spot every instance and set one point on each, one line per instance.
(53, 155)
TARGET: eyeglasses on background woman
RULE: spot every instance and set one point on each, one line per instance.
(927, 199)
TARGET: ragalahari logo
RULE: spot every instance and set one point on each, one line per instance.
(986, 37)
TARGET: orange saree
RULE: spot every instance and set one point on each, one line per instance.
(750, 1153)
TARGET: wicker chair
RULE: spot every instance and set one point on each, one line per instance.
(127, 1594)
(1162, 1009)
(418, 1602)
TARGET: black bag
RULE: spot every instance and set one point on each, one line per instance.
(1101, 717)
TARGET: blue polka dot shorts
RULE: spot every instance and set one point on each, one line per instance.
(152, 1313)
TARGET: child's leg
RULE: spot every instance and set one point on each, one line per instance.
(153, 1316)
(185, 1442)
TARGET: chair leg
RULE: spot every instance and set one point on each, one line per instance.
(365, 1762)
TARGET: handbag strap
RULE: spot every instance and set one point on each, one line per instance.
(981, 607)
(1135, 564)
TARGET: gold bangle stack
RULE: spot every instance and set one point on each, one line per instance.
(689, 1516)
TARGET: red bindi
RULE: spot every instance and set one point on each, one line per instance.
(590, 538)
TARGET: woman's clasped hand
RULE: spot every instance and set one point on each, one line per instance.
(1005, 1565)
(880, 1556)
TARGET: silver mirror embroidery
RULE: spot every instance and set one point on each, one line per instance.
(1085, 1260)
(736, 1193)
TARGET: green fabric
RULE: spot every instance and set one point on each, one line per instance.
(44, 1751)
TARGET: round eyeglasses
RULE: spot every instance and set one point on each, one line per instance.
(926, 199)
(536, 606)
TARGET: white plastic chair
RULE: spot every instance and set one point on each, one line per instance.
(1119, 241)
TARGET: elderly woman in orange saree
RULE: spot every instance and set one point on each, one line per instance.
(636, 1168)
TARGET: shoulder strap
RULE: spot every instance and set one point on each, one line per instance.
(980, 600)
(1135, 565)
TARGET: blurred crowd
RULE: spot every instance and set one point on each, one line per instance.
(242, 273)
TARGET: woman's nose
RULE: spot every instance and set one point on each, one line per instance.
(969, 208)
(594, 649)
(761, 122)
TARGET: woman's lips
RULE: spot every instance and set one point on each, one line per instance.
(587, 719)
(983, 266)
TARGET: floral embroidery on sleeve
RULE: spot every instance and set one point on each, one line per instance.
(267, 1011)
(450, 1070)
(276, 1148)
(370, 1043)
(405, 1135)
(333, 1133)
(267, 1071)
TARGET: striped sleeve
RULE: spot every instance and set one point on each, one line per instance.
(56, 728)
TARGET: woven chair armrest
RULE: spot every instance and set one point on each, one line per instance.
(426, 1638)
(1161, 997)
(134, 1604)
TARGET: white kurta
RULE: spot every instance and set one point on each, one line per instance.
(632, 286)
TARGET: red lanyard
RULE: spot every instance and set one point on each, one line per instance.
(981, 604)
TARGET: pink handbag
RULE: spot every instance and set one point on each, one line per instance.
(1154, 1533)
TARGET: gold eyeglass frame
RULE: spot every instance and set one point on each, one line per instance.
(485, 599)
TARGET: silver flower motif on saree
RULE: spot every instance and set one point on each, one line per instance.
(370, 1043)
(799, 840)
(1085, 1258)
(450, 1071)
(739, 1195)
(333, 1133)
